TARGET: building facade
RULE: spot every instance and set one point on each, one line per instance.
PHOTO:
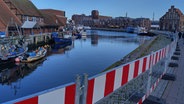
(22, 17)
(172, 20)
(142, 22)
(93, 20)
(97, 20)
(95, 14)
(54, 20)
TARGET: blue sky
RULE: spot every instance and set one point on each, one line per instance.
(114, 8)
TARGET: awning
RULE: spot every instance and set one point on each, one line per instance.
(28, 24)
(2, 34)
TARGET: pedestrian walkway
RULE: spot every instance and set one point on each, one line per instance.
(174, 92)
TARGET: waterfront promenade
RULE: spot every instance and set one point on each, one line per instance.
(174, 92)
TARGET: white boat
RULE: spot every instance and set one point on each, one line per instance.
(140, 31)
(83, 33)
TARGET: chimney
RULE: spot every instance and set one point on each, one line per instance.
(172, 7)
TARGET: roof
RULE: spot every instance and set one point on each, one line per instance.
(7, 16)
(28, 24)
(53, 11)
(53, 18)
(26, 7)
(179, 11)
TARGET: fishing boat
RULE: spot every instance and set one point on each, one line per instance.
(9, 51)
(60, 40)
(32, 56)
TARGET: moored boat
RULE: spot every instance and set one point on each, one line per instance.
(83, 34)
(60, 40)
(32, 56)
(9, 51)
(141, 31)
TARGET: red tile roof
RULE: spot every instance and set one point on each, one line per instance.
(26, 7)
(7, 16)
(54, 12)
(53, 17)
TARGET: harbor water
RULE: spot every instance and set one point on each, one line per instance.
(90, 55)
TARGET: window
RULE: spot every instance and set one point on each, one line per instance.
(34, 19)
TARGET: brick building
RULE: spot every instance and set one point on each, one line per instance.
(142, 22)
(93, 20)
(22, 15)
(95, 14)
(97, 20)
(53, 19)
(172, 20)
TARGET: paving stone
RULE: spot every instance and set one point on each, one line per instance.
(174, 93)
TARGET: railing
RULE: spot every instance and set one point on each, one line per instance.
(92, 90)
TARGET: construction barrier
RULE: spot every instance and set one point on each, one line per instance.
(63, 95)
(102, 85)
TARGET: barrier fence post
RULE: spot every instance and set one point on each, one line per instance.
(77, 92)
(167, 57)
(150, 73)
(85, 87)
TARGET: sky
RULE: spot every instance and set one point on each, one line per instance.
(114, 8)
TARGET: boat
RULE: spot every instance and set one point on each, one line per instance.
(130, 29)
(9, 51)
(140, 31)
(83, 33)
(60, 40)
(32, 56)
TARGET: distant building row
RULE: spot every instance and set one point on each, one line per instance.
(96, 20)
(23, 15)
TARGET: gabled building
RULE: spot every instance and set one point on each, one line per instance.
(22, 15)
(53, 19)
(30, 17)
(173, 20)
(7, 17)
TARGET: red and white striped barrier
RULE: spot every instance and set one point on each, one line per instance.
(64, 95)
(164, 52)
(153, 87)
(105, 84)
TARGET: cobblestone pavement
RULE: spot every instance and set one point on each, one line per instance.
(174, 92)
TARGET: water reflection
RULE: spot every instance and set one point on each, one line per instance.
(20, 70)
(94, 40)
(60, 48)
(13, 76)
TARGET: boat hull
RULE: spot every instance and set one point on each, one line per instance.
(62, 40)
(34, 58)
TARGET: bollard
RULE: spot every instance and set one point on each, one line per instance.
(77, 92)
(84, 92)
